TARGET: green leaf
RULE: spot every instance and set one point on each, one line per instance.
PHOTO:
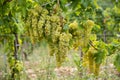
(66, 27)
(117, 62)
(74, 4)
(63, 4)
(76, 59)
(100, 56)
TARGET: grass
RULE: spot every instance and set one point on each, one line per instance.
(3, 64)
(41, 66)
(44, 68)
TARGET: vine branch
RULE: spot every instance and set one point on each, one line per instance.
(90, 43)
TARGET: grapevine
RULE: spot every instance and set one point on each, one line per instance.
(45, 25)
(63, 25)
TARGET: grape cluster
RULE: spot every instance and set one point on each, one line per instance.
(64, 44)
(76, 34)
(95, 56)
(89, 60)
(42, 24)
(88, 25)
(81, 36)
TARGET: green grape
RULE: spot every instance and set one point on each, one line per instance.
(73, 25)
(40, 29)
(38, 9)
(55, 18)
(19, 66)
(44, 11)
(41, 23)
(76, 34)
(59, 29)
(97, 69)
(55, 36)
(34, 21)
(65, 37)
(34, 13)
(47, 18)
(47, 29)
(89, 24)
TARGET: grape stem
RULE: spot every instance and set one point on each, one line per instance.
(90, 43)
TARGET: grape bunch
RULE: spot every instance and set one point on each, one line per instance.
(81, 37)
(95, 56)
(42, 24)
